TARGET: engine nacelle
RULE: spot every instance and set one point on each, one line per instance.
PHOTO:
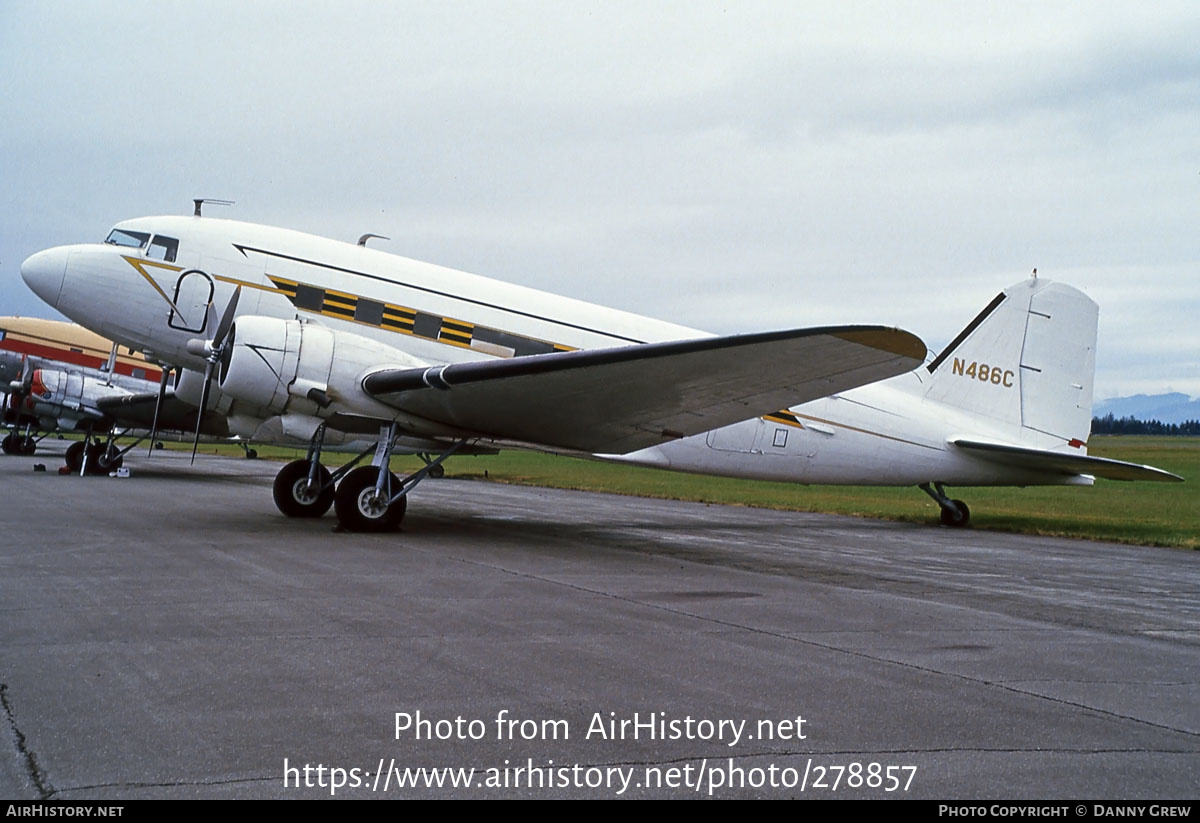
(293, 367)
(68, 398)
(189, 386)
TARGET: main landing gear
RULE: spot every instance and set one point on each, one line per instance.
(97, 454)
(366, 498)
(15, 443)
(954, 512)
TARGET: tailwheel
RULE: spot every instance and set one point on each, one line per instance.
(295, 497)
(361, 508)
(958, 518)
(74, 456)
(954, 512)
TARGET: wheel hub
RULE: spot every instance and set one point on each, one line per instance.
(303, 494)
(372, 504)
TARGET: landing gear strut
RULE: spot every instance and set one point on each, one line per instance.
(304, 488)
(371, 498)
(95, 456)
(954, 512)
(367, 498)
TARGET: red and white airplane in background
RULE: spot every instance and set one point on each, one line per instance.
(60, 377)
(306, 336)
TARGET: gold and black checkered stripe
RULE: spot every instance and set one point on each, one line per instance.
(784, 417)
(357, 309)
(404, 320)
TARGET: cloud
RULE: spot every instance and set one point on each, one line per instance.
(728, 167)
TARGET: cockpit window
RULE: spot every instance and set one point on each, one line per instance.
(132, 239)
(163, 248)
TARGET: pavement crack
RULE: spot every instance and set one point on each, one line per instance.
(166, 784)
(29, 759)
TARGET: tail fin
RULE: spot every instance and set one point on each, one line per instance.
(1028, 359)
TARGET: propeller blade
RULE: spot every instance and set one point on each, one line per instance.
(26, 375)
(226, 319)
(208, 371)
(162, 393)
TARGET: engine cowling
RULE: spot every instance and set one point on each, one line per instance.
(294, 367)
(189, 387)
(68, 398)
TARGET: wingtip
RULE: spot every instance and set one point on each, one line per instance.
(893, 341)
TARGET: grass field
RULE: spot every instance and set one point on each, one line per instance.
(1158, 514)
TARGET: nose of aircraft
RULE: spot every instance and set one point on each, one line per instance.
(43, 273)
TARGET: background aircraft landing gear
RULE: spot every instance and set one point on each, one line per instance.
(954, 512)
(16, 444)
(103, 458)
(436, 470)
(361, 507)
(296, 497)
(74, 456)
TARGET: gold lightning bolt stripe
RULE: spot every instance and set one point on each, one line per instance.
(140, 265)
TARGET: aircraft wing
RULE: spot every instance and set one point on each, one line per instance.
(1048, 461)
(616, 400)
(137, 411)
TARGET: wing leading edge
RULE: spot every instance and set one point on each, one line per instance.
(616, 400)
(1048, 461)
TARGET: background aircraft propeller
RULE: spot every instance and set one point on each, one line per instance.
(162, 393)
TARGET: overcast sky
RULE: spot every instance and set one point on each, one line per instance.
(733, 167)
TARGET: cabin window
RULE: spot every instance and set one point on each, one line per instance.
(130, 239)
(163, 248)
(780, 441)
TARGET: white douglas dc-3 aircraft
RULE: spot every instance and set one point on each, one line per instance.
(303, 334)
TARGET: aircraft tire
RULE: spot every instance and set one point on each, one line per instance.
(74, 456)
(437, 471)
(28, 446)
(291, 493)
(100, 460)
(9, 445)
(356, 506)
(108, 460)
(956, 519)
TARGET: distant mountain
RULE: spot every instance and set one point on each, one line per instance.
(1165, 408)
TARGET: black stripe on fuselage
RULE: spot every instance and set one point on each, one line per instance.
(346, 306)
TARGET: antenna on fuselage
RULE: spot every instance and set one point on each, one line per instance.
(362, 241)
(200, 201)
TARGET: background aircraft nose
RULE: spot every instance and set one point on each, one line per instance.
(43, 273)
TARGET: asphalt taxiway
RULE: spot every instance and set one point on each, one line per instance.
(172, 635)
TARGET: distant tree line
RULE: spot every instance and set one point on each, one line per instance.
(1129, 425)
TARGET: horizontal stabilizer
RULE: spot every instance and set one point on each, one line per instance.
(1050, 461)
(615, 400)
